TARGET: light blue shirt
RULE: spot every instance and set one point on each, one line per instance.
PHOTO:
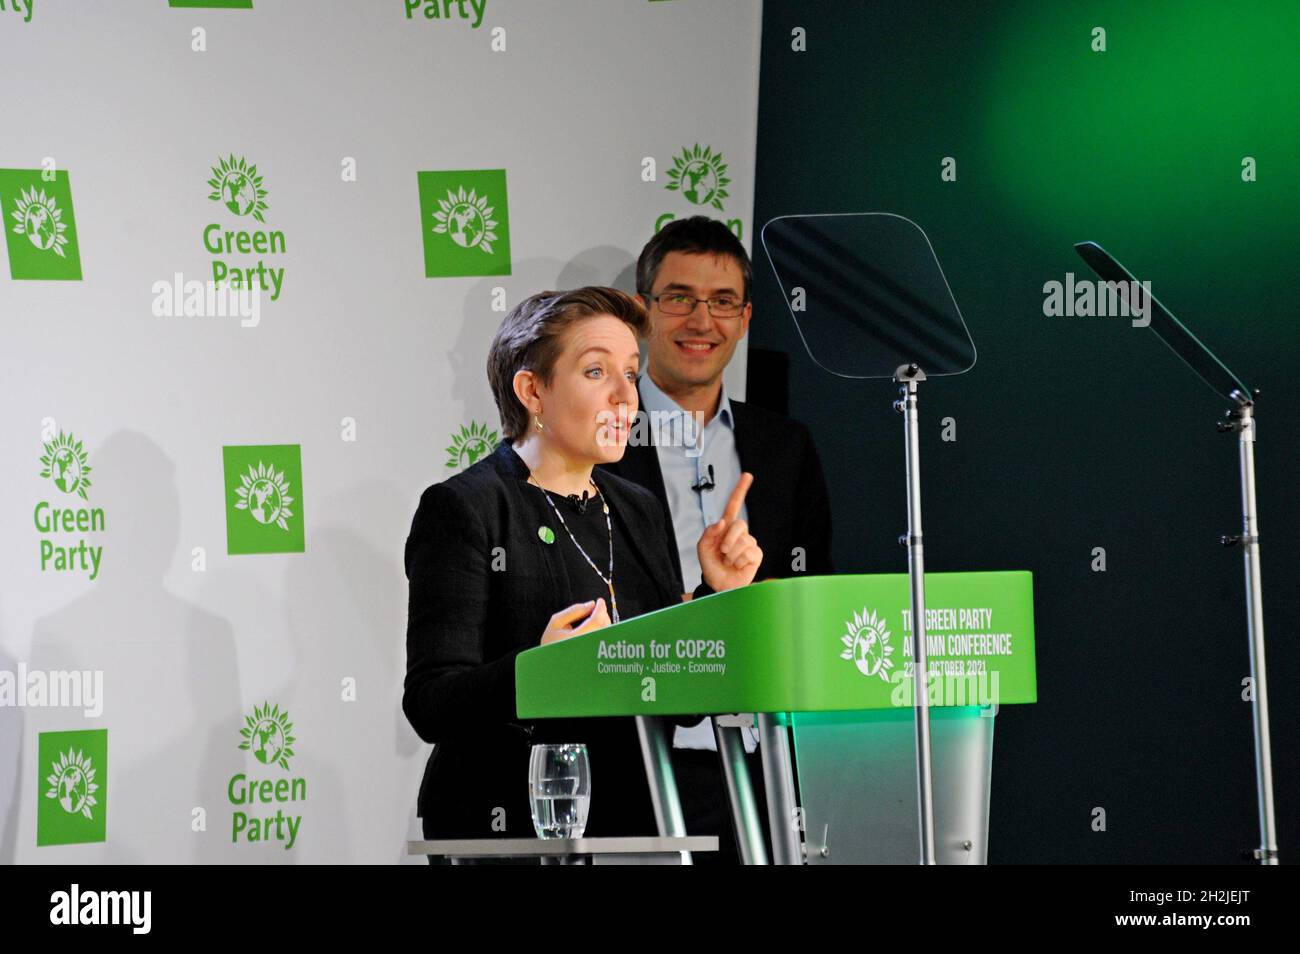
(686, 452)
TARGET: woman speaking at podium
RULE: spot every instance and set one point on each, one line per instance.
(529, 546)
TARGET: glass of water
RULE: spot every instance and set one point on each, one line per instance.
(559, 790)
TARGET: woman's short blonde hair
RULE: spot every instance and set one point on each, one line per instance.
(529, 339)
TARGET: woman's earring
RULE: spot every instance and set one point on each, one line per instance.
(538, 422)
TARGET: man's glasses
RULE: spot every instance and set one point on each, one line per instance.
(678, 305)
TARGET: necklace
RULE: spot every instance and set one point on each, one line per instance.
(607, 580)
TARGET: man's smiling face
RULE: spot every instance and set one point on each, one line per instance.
(691, 350)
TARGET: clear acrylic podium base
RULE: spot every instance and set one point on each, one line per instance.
(857, 780)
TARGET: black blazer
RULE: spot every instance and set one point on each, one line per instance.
(788, 504)
(468, 621)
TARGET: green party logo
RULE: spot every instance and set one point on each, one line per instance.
(467, 220)
(72, 803)
(264, 499)
(240, 189)
(40, 228)
(700, 176)
(465, 223)
(237, 185)
(268, 735)
(66, 466)
(471, 444)
(264, 493)
(40, 221)
(867, 644)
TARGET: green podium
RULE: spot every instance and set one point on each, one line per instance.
(827, 660)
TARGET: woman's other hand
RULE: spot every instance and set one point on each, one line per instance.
(575, 620)
(729, 555)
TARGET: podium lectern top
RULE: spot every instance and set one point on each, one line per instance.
(817, 644)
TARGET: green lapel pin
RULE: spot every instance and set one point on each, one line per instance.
(547, 535)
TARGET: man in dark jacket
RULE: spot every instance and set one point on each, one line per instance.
(691, 443)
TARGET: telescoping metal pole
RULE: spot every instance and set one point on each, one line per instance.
(1242, 420)
(908, 377)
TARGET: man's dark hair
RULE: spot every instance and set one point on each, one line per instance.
(529, 339)
(698, 235)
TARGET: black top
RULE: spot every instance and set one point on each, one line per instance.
(483, 586)
(592, 532)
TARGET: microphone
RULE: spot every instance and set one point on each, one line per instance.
(579, 502)
(704, 483)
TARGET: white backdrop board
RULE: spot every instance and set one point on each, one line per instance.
(204, 514)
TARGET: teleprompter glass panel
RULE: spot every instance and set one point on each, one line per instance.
(867, 294)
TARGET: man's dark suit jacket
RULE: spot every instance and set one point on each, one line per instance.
(788, 505)
(467, 624)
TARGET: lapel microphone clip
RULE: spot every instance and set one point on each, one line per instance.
(704, 483)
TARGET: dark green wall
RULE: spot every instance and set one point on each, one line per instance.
(1073, 433)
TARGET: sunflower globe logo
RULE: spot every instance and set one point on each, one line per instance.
(472, 444)
(264, 498)
(867, 644)
(238, 187)
(268, 734)
(71, 787)
(39, 224)
(72, 784)
(467, 218)
(64, 462)
(264, 493)
(700, 175)
(40, 219)
(464, 222)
